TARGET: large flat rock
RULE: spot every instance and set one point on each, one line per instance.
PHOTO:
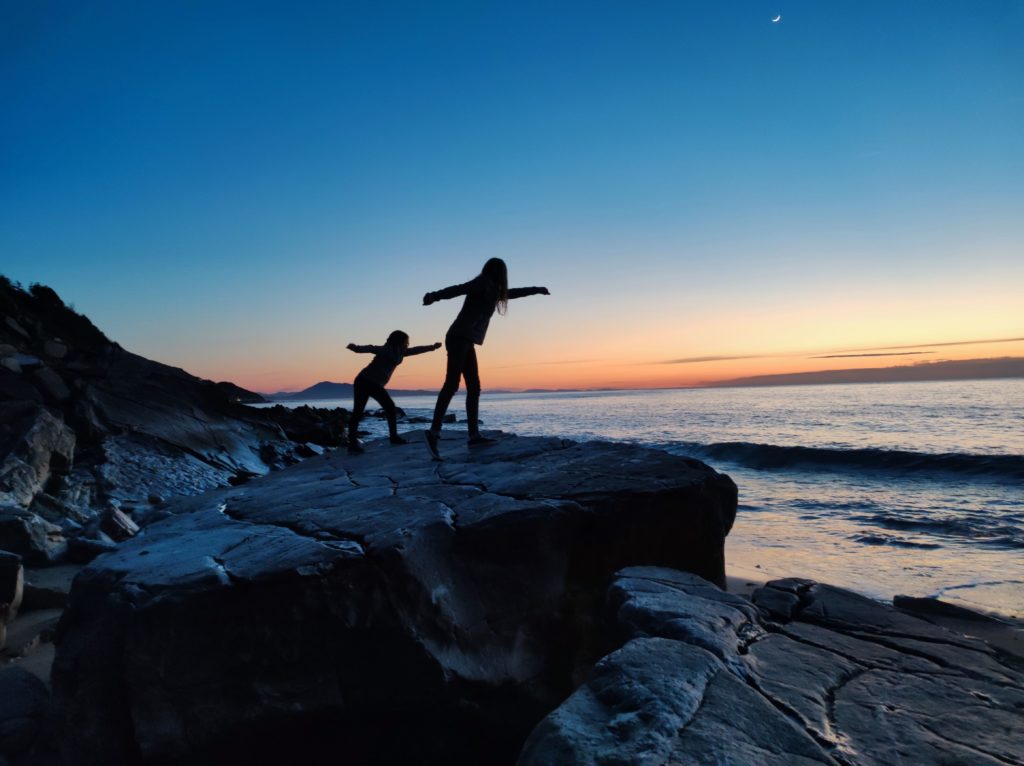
(816, 675)
(391, 607)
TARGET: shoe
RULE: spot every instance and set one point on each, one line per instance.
(477, 440)
(355, 449)
(396, 440)
(432, 440)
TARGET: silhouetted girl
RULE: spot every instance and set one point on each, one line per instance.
(372, 379)
(487, 292)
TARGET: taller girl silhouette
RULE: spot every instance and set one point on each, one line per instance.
(487, 292)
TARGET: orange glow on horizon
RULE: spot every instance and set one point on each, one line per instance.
(501, 372)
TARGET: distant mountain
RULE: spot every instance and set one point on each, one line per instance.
(967, 369)
(327, 390)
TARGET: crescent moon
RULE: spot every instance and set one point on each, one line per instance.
(777, 19)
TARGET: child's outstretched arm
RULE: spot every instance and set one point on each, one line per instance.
(412, 351)
(522, 292)
(454, 291)
(364, 349)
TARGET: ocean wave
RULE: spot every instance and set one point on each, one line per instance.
(990, 533)
(775, 457)
(893, 541)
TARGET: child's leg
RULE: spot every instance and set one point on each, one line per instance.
(360, 393)
(384, 400)
(471, 373)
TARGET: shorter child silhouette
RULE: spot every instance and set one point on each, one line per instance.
(372, 379)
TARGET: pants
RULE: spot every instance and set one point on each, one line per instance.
(461, 364)
(362, 390)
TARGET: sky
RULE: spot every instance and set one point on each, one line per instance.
(242, 188)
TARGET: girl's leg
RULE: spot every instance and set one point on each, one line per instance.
(456, 348)
(384, 399)
(471, 374)
(360, 393)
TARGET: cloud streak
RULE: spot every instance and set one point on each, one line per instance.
(947, 343)
(840, 353)
(697, 359)
(881, 353)
(967, 369)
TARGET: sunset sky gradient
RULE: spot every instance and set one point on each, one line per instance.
(240, 189)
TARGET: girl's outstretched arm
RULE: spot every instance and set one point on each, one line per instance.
(522, 292)
(422, 349)
(454, 291)
(364, 349)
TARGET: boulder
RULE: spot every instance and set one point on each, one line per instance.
(832, 678)
(57, 511)
(83, 549)
(51, 384)
(316, 425)
(55, 349)
(23, 702)
(48, 587)
(339, 601)
(658, 701)
(29, 536)
(12, 583)
(19, 482)
(39, 445)
(30, 633)
(117, 525)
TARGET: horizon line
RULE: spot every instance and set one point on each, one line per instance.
(911, 373)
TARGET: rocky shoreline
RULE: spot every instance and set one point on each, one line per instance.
(185, 580)
(525, 603)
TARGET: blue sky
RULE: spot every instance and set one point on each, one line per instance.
(242, 188)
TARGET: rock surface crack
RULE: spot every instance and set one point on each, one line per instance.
(319, 535)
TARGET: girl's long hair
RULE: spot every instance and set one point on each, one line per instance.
(497, 271)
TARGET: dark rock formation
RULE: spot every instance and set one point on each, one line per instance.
(48, 588)
(23, 700)
(12, 583)
(820, 676)
(27, 535)
(315, 425)
(393, 608)
(84, 424)
(240, 395)
(35, 445)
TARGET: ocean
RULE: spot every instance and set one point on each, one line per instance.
(886, 488)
